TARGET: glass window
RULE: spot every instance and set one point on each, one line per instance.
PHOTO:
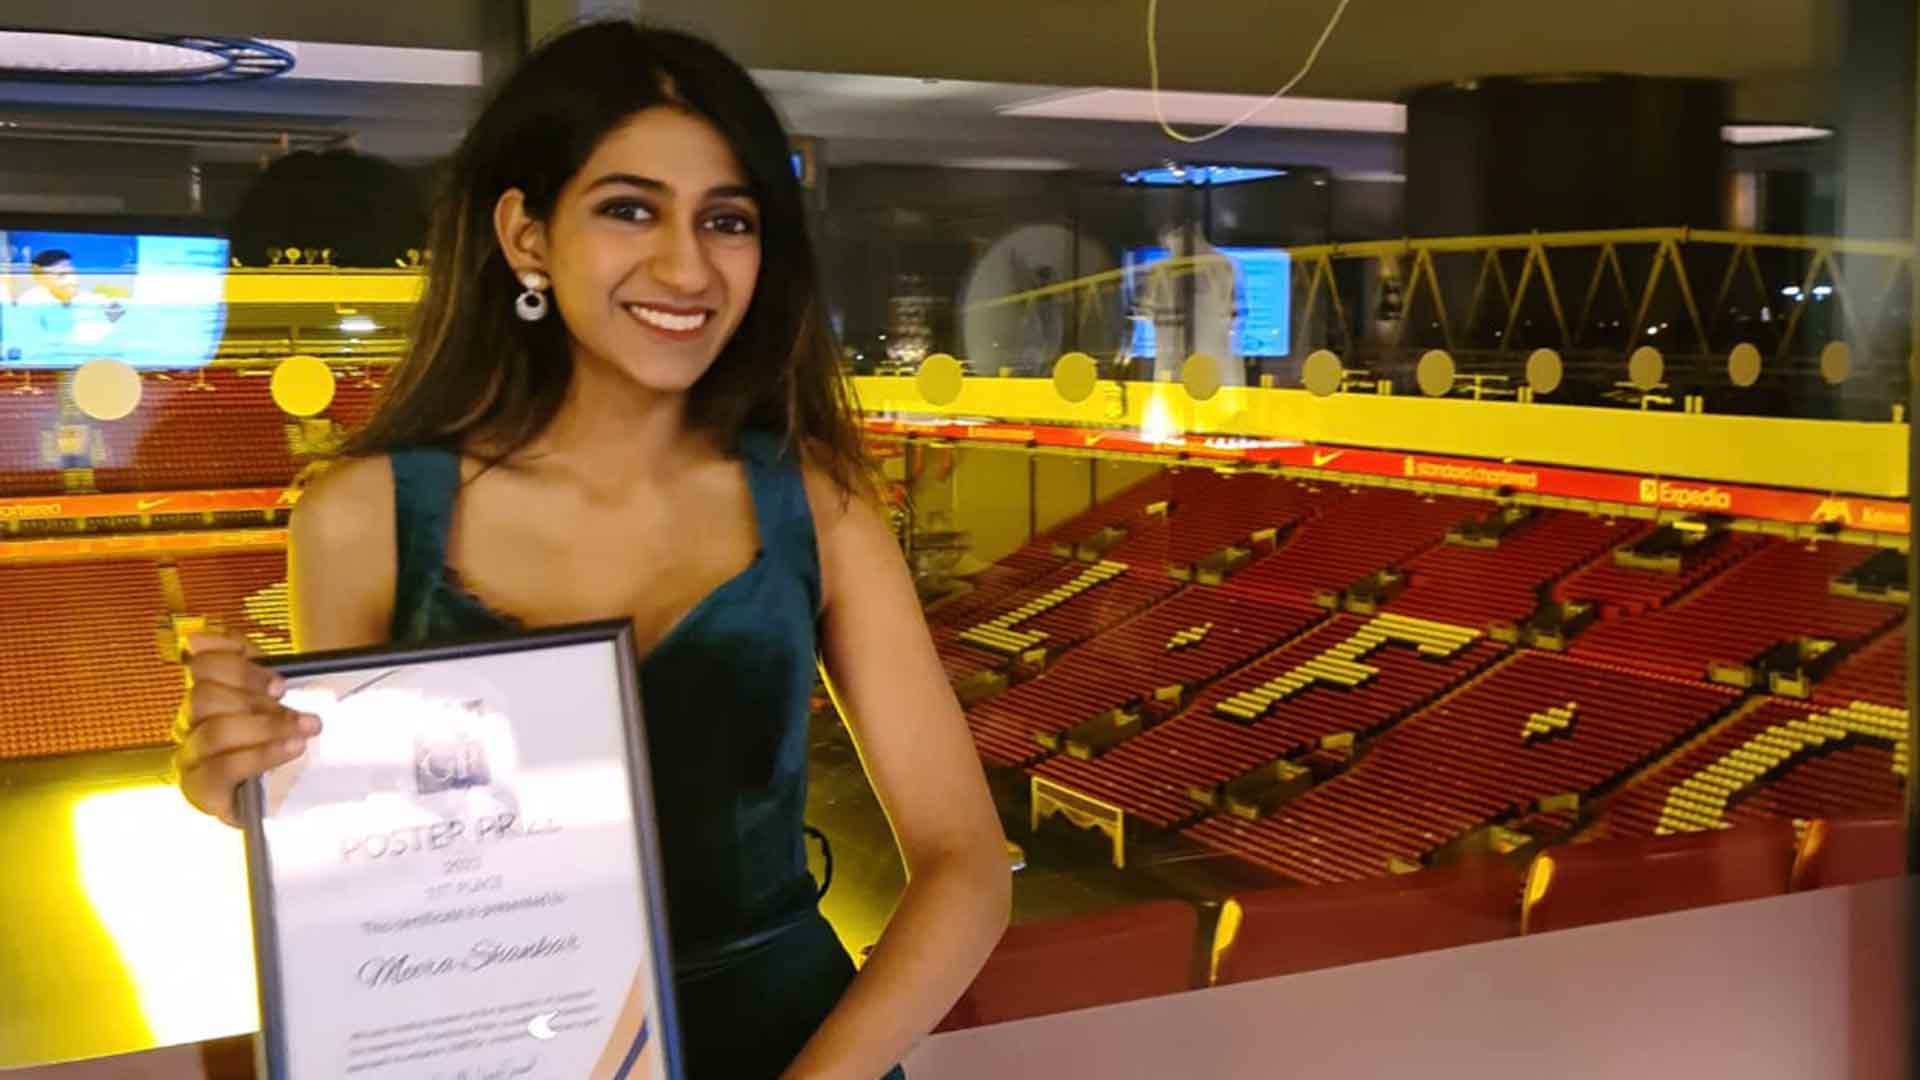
(1466, 500)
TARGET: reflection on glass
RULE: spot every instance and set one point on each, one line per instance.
(149, 300)
(1242, 303)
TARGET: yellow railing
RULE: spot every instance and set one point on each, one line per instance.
(1567, 276)
(1676, 259)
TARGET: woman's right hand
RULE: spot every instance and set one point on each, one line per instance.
(232, 727)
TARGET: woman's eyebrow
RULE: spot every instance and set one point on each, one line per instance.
(629, 179)
(719, 191)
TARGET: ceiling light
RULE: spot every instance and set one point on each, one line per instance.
(358, 324)
(36, 56)
(1012, 164)
(325, 61)
(878, 89)
(1216, 175)
(1768, 134)
(1136, 106)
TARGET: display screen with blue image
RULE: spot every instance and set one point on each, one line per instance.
(1263, 298)
(153, 301)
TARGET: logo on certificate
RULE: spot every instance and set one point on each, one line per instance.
(449, 765)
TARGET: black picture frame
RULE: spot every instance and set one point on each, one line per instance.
(271, 1052)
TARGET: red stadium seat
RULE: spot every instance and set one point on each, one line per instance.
(1846, 851)
(1282, 931)
(1078, 962)
(1582, 884)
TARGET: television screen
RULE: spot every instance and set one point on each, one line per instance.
(1262, 296)
(152, 301)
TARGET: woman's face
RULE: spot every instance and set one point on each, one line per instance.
(653, 249)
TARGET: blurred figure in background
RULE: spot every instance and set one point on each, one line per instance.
(1192, 296)
(61, 320)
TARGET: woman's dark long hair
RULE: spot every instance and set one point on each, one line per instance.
(474, 371)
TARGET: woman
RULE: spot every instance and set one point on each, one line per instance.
(621, 399)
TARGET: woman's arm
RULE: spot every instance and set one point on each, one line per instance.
(913, 740)
(340, 566)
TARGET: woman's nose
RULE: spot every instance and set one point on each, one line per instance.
(681, 262)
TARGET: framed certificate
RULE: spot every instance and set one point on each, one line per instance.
(460, 878)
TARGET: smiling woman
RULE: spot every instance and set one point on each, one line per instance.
(637, 263)
(571, 150)
(621, 401)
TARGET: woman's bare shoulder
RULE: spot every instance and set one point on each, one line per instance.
(349, 502)
(341, 558)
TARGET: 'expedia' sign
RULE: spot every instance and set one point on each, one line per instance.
(1685, 496)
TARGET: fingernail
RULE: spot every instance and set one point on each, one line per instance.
(277, 687)
(309, 723)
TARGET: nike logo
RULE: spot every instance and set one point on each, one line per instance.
(144, 505)
(1320, 459)
(1093, 438)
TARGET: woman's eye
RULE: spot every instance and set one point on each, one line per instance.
(627, 211)
(733, 224)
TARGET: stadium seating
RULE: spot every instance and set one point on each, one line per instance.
(27, 421)
(1777, 593)
(82, 643)
(1877, 673)
(1128, 665)
(1150, 776)
(989, 590)
(1743, 773)
(1059, 610)
(1200, 615)
(1621, 590)
(1079, 962)
(1286, 930)
(1845, 851)
(1209, 512)
(1476, 586)
(1129, 509)
(355, 393)
(1350, 535)
(211, 429)
(244, 593)
(201, 429)
(82, 658)
(1468, 762)
(1581, 884)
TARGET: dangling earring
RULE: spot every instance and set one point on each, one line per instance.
(531, 305)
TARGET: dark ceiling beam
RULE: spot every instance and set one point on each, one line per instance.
(1382, 49)
(543, 17)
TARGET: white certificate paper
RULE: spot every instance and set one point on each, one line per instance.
(458, 880)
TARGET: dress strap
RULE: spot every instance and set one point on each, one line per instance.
(785, 517)
(425, 479)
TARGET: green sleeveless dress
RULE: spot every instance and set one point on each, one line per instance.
(725, 694)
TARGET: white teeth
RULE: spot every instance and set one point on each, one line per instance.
(678, 324)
